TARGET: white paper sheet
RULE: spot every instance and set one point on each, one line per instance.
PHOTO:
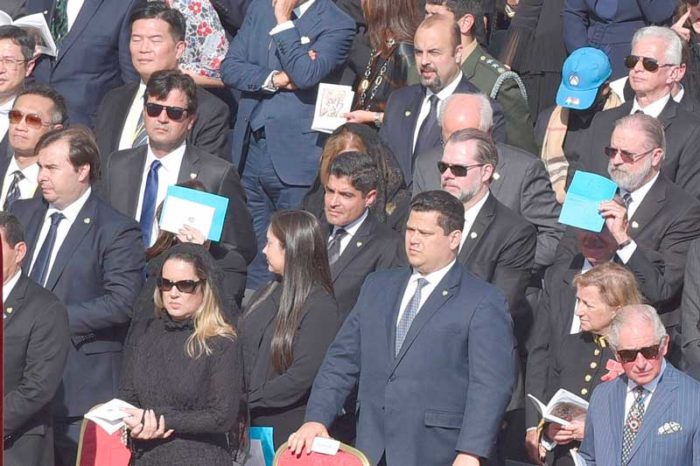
(179, 212)
(332, 102)
(109, 415)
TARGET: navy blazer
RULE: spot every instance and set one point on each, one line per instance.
(93, 58)
(445, 392)
(253, 54)
(97, 274)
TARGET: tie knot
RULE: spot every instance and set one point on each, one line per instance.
(155, 165)
(434, 99)
(639, 392)
(56, 218)
(421, 282)
(18, 175)
(339, 233)
(627, 199)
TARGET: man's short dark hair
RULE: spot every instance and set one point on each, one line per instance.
(359, 167)
(20, 37)
(82, 149)
(164, 81)
(450, 210)
(459, 8)
(159, 10)
(439, 21)
(13, 229)
(60, 111)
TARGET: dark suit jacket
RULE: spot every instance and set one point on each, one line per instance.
(121, 183)
(690, 308)
(253, 54)
(36, 341)
(279, 400)
(519, 183)
(210, 131)
(375, 246)
(446, 390)
(681, 163)
(93, 58)
(97, 274)
(401, 116)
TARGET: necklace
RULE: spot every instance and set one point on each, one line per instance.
(365, 83)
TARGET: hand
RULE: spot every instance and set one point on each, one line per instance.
(282, 81)
(577, 428)
(283, 9)
(535, 451)
(560, 434)
(189, 234)
(678, 26)
(359, 116)
(615, 215)
(303, 438)
(150, 428)
(465, 459)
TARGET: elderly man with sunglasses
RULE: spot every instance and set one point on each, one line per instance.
(651, 414)
(654, 68)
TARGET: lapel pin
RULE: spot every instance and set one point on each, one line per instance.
(635, 225)
(193, 176)
(472, 235)
(359, 244)
(444, 292)
(407, 113)
(9, 310)
(496, 176)
(86, 220)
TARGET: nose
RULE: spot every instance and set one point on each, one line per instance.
(640, 362)
(163, 116)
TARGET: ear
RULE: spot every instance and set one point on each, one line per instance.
(190, 125)
(657, 157)
(487, 172)
(30, 67)
(664, 346)
(466, 25)
(20, 251)
(455, 240)
(84, 173)
(458, 54)
(370, 198)
(180, 48)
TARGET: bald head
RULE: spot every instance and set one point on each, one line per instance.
(465, 111)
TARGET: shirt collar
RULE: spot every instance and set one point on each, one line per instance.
(653, 109)
(7, 106)
(301, 9)
(171, 162)
(447, 90)
(71, 212)
(640, 193)
(651, 386)
(471, 213)
(679, 96)
(10, 285)
(30, 172)
(433, 277)
(352, 227)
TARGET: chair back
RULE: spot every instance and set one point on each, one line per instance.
(346, 456)
(97, 448)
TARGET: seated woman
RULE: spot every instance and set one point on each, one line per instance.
(288, 324)
(584, 359)
(183, 369)
(391, 206)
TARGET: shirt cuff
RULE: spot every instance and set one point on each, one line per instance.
(282, 27)
(267, 85)
(625, 254)
(548, 444)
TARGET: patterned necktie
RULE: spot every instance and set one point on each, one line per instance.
(13, 192)
(633, 422)
(334, 246)
(40, 271)
(148, 206)
(140, 135)
(427, 128)
(59, 22)
(408, 315)
(627, 199)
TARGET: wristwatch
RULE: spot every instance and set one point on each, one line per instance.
(624, 244)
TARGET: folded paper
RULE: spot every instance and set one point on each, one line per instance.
(201, 210)
(581, 206)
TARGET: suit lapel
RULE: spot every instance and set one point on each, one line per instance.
(87, 11)
(478, 229)
(32, 229)
(5, 157)
(189, 168)
(649, 208)
(357, 243)
(132, 182)
(15, 301)
(617, 409)
(668, 113)
(569, 293)
(394, 294)
(497, 183)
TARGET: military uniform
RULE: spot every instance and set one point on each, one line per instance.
(496, 81)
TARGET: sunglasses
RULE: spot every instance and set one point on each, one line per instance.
(174, 113)
(649, 352)
(184, 286)
(33, 121)
(649, 64)
(457, 170)
(627, 157)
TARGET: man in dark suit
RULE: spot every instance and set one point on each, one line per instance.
(649, 415)
(652, 97)
(93, 52)
(410, 127)
(136, 180)
(91, 257)
(37, 110)
(435, 322)
(690, 308)
(36, 341)
(157, 42)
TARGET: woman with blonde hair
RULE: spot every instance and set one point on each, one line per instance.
(183, 368)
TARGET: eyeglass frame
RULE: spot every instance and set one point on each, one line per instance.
(165, 285)
(168, 109)
(646, 63)
(648, 349)
(450, 166)
(626, 157)
(26, 117)
(12, 64)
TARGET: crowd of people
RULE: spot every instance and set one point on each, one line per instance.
(400, 284)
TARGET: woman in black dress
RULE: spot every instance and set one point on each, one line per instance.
(183, 368)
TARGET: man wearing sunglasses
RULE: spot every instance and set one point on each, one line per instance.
(653, 71)
(651, 414)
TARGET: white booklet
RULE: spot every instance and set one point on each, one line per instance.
(109, 415)
(35, 25)
(332, 102)
(578, 459)
(563, 408)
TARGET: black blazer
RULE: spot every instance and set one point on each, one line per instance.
(401, 116)
(121, 184)
(375, 246)
(36, 341)
(97, 273)
(279, 400)
(210, 131)
(681, 163)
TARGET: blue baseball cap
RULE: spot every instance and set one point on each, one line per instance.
(584, 71)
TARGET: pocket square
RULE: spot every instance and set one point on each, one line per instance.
(305, 40)
(669, 428)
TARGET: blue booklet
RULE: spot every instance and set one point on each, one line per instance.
(204, 211)
(583, 198)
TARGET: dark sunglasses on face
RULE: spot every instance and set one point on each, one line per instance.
(649, 352)
(174, 113)
(649, 64)
(627, 157)
(457, 170)
(33, 121)
(184, 286)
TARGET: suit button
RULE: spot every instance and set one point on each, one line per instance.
(584, 391)
(594, 365)
(587, 378)
(596, 352)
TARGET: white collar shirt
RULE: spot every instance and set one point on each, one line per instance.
(27, 185)
(298, 11)
(5, 118)
(425, 106)
(653, 109)
(625, 253)
(350, 231)
(8, 286)
(72, 10)
(470, 216)
(433, 279)
(131, 122)
(650, 388)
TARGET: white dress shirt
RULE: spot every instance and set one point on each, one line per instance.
(637, 197)
(71, 214)
(650, 388)
(132, 119)
(72, 9)
(8, 286)
(653, 109)
(433, 279)
(5, 118)
(469, 217)
(425, 106)
(27, 185)
(350, 230)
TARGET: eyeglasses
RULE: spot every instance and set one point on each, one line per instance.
(457, 170)
(649, 352)
(174, 113)
(33, 121)
(184, 286)
(649, 64)
(627, 157)
(12, 63)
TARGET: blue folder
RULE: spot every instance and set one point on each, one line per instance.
(583, 199)
(219, 203)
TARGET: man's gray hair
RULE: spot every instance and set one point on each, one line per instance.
(651, 127)
(485, 110)
(486, 152)
(674, 46)
(628, 315)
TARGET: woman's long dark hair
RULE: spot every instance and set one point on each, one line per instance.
(391, 19)
(305, 264)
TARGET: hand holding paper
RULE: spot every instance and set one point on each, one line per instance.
(200, 210)
(110, 415)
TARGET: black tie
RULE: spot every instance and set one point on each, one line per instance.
(41, 265)
(334, 246)
(428, 128)
(13, 193)
(627, 199)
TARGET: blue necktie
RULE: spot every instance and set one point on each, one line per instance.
(148, 207)
(40, 271)
(408, 315)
